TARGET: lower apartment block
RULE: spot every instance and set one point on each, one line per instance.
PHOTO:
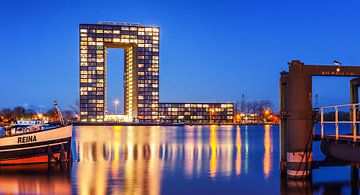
(196, 113)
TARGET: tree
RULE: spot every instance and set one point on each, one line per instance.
(29, 113)
(75, 107)
(68, 115)
(19, 112)
(6, 113)
(243, 104)
(254, 107)
(237, 107)
(51, 113)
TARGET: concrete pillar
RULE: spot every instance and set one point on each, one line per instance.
(299, 122)
(283, 114)
(354, 95)
(354, 90)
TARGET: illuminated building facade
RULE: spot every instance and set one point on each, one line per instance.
(196, 113)
(141, 69)
(141, 78)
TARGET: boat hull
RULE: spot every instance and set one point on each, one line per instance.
(36, 147)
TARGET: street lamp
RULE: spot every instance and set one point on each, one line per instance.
(116, 104)
(40, 116)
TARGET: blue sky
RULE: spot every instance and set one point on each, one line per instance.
(209, 50)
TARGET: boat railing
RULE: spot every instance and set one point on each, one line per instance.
(14, 130)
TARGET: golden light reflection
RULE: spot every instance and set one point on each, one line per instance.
(116, 150)
(189, 148)
(267, 161)
(238, 151)
(35, 179)
(199, 151)
(213, 148)
(139, 158)
(225, 149)
(131, 159)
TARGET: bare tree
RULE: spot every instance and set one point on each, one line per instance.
(7, 114)
(51, 113)
(29, 113)
(19, 112)
(75, 107)
(68, 115)
(255, 107)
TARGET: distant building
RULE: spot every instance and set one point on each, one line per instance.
(196, 113)
(141, 78)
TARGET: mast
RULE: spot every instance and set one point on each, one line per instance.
(58, 111)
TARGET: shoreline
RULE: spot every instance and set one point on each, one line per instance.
(157, 124)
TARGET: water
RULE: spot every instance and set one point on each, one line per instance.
(172, 160)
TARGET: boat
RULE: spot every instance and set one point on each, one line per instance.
(36, 143)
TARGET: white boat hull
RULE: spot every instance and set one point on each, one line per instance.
(35, 147)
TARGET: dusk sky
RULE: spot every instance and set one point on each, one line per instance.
(210, 51)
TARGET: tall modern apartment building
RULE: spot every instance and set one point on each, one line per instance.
(141, 75)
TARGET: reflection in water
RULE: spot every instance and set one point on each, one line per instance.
(142, 160)
(238, 151)
(307, 187)
(134, 157)
(246, 166)
(189, 150)
(35, 179)
(267, 161)
(295, 187)
(213, 148)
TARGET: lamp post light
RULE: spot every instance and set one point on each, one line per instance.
(116, 104)
(40, 116)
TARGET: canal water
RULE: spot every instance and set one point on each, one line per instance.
(172, 160)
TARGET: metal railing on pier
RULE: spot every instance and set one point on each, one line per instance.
(353, 108)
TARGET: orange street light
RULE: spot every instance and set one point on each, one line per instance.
(238, 117)
(39, 116)
(266, 112)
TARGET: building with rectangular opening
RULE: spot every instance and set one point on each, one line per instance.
(141, 77)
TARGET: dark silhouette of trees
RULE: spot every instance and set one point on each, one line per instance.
(68, 115)
(18, 112)
(51, 114)
(75, 108)
(254, 107)
(6, 114)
